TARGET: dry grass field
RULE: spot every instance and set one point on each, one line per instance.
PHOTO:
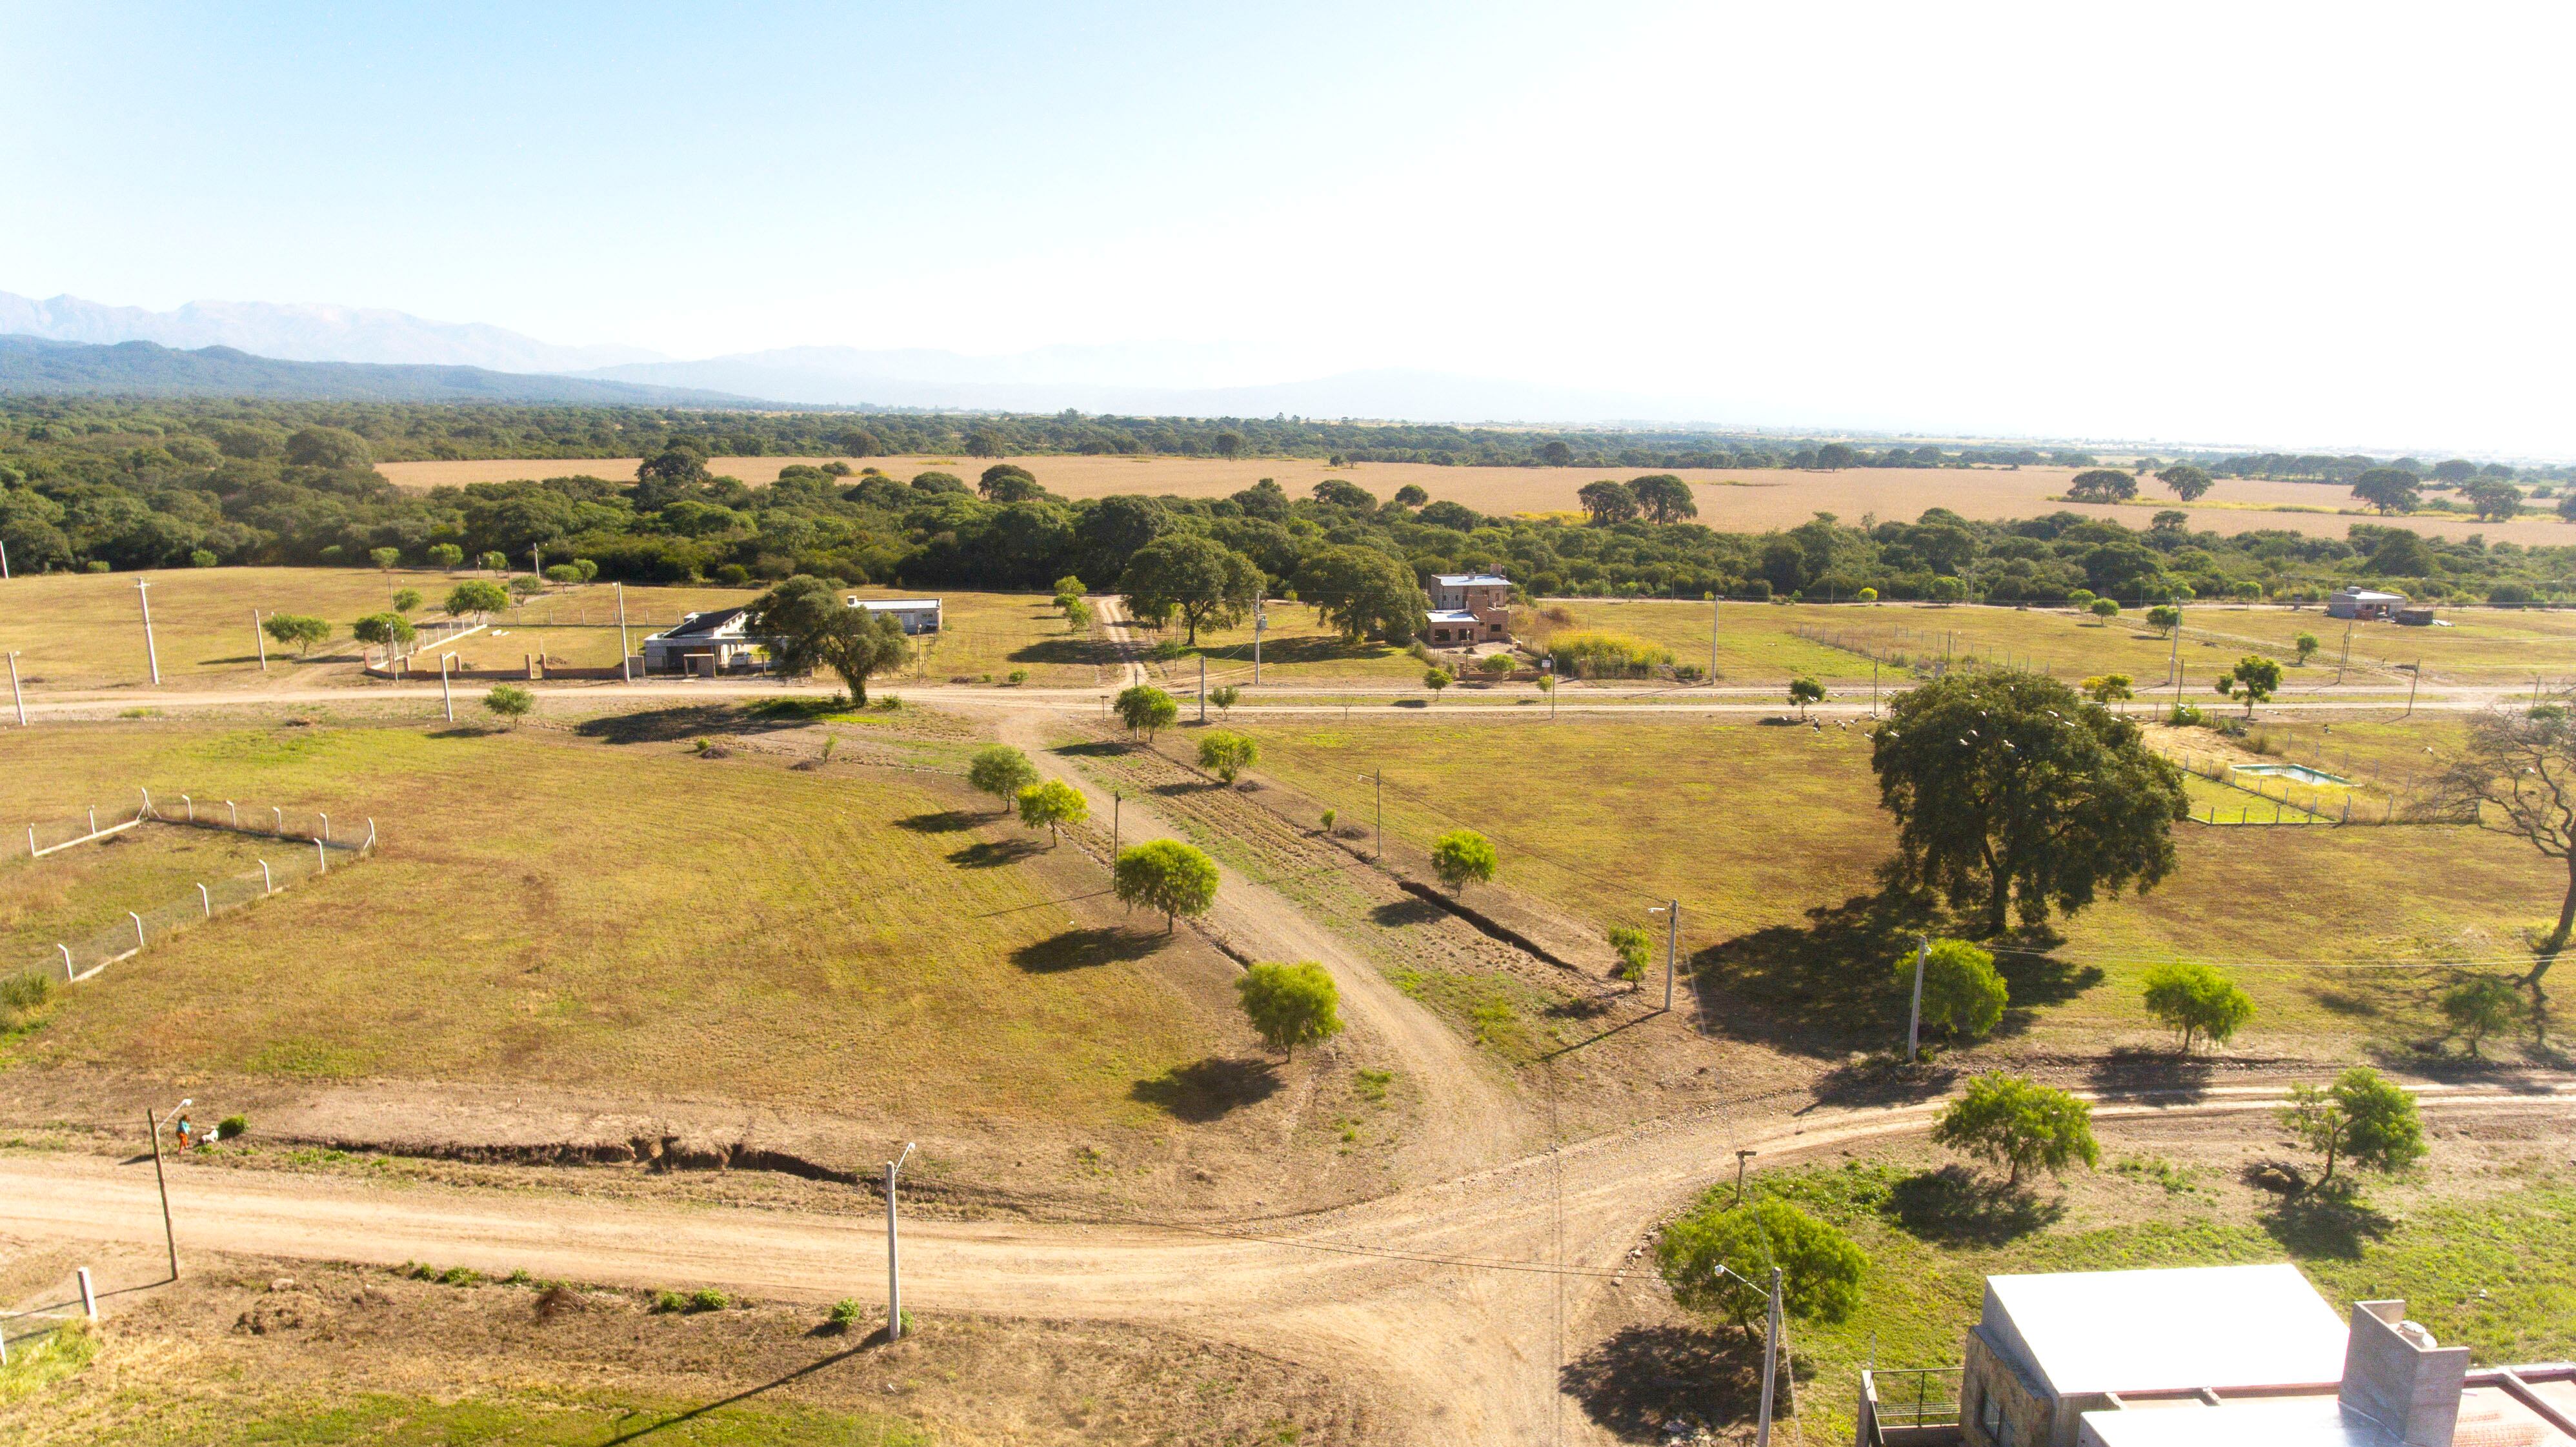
(1729, 499)
(1770, 835)
(556, 908)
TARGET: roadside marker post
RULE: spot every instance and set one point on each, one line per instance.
(1914, 1020)
(1672, 910)
(151, 653)
(894, 1271)
(259, 640)
(16, 695)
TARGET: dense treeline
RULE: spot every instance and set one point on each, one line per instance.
(212, 486)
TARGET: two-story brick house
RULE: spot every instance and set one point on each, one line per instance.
(1470, 608)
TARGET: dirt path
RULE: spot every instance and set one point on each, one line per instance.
(1466, 1117)
(1453, 1290)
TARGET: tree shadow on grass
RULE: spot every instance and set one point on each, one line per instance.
(946, 821)
(1083, 949)
(1095, 749)
(2331, 1221)
(1821, 987)
(994, 853)
(674, 725)
(2135, 1072)
(1072, 650)
(2036, 981)
(1209, 1090)
(1954, 1206)
(1644, 1376)
(1397, 913)
(1883, 1079)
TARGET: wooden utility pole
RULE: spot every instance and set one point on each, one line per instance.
(168, 1233)
(2412, 679)
(1914, 1021)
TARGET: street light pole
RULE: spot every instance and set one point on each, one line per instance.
(625, 654)
(168, 1234)
(1770, 1361)
(1672, 910)
(1379, 780)
(143, 591)
(258, 640)
(894, 1274)
(1914, 1020)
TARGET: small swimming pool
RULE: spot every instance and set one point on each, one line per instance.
(2293, 773)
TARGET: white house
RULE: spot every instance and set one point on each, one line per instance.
(702, 644)
(917, 615)
(2363, 603)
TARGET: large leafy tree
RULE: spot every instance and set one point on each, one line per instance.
(1166, 875)
(2188, 482)
(2516, 776)
(1717, 1261)
(1290, 1005)
(1607, 502)
(1361, 591)
(1664, 497)
(1001, 771)
(2102, 484)
(2363, 1117)
(2389, 489)
(1963, 993)
(1195, 576)
(2010, 791)
(2194, 999)
(808, 626)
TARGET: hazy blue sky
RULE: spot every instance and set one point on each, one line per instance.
(2305, 225)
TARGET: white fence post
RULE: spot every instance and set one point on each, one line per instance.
(147, 806)
(278, 827)
(31, 841)
(322, 852)
(371, 835)
(67, 962)
(207, 900)
(233, 813)
(93, 819)
(267, 885)
(89, 1295)
(326, 825)
(191, 805)
(138, 928)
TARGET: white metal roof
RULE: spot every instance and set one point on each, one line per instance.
(893, 605)
(1451, 615)
(2365, 595)
(2144, 1331)
(2317, 1421)
(1471, 580)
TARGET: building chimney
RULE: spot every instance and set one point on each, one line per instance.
(2396, 1376)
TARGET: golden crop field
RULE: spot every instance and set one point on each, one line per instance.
(1731, 499)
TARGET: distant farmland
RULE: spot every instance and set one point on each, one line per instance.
(1729, 498)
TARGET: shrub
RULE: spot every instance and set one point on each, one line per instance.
(384, 557)
(707, 1298)
(24, 1000)
(509, 701)
(527, 587)
(1053, 804)
(1461, 856)
(1962, 993)
(200, 558)
(232, 1127)
(2362, 1117)
(1605, 655)
(846, 1313)
(2197, 1000)
(1634, 948)
(460, 1276)
(1018, 676)
(1436, 679)
(296, 631)
(1227, 755)
(669, 1301)
(2480, 1007)
(1290, 1005)
(1167, 875)
(476, 596)
(2105, 609)
(2187, 716)
(1146, 709)
(2019, 1124)
(1225, 698)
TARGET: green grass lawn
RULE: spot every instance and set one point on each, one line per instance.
(559, 909)
(1765, 834)
(1296, 648)
(1756, 642)
(68, 896)
(2486, 645)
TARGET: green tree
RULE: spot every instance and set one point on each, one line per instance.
(2109, 688)
(1227, 755)
(1608, 502)
(385, 630)
(2080, 599)
(807, 626)
(1634, 949)
(2495, 499)
(1166, 875)
(1412, 495)
(1962, 992)
(1805, 691)
(2306, 644)
(563, 574)
(2164, 617)
(1462, 856)
(2481, 1007)
(1006, 482)
(446, 555)
(1436, 679)
(475, 597)
(2010, 792)
(525, 586)
(2020, 1125)
(1290, 1005)
(1001, 771)
(2516, 775)
(2254, 679)
(1077, 615)
(1835, 456)
(1663, 497)
(336, 448)
(297, 631)
(509, 702)
(1069, 586)
(406, 600)
(1225, 697)
(494, 562)
(1360, 592)
(1198, 577)
(2363, 1117)
(2188, 482)
(2389, 489)
(2195, 999)
(1717, 1261)
(2106, 609)
(1146, 710)
(384, 557)
(2102, 484)
(1053, 805)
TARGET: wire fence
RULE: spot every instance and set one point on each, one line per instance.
(1931, 652)
(308, 843)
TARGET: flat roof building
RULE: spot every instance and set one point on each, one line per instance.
(918, 615)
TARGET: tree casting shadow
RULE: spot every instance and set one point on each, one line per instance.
(1210, 1089)
(946, 821)
(1397, 913)
(1083, 949)
(1075, 651)
(1821, 987)
(992, 853)
(2134, 1072)
(674, 725)
(2331, 1222)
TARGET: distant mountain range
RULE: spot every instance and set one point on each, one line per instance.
(251, 348)
(147, 369)
(305, 332)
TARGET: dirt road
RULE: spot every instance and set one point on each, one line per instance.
(1452, 1290)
